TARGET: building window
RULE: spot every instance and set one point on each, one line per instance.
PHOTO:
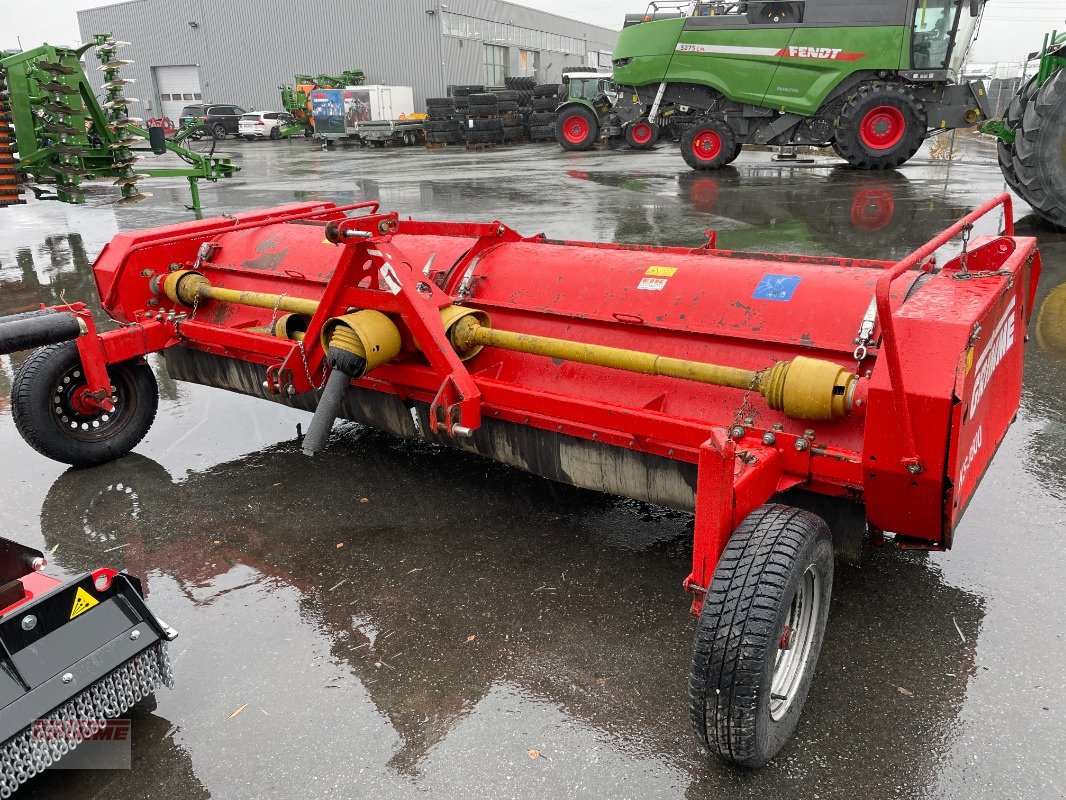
(495, 65)
(527, 61)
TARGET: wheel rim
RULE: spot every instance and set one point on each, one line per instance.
(576, 129)
(641, 133)
(872, 209)
(73, 414)
(706, 145)
(794, 646)
(882, 128)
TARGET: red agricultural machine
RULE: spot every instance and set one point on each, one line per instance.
(75, 654)
(794, 403)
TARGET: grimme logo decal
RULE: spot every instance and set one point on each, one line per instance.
(998, 347)
(975, 448)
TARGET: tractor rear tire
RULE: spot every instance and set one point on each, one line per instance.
(881, 126)
(709, 144)
(642, 134)
(759, 634)
(50, 414)
(577, 129)
(1040, 151)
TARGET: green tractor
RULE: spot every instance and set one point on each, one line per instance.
(1032, 135)
(871, 78)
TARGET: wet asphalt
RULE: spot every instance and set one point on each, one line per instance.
(403, 621)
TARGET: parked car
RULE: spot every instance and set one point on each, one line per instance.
(220, 117)
(264, 124)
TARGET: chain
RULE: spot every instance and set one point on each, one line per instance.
(54, 735)
(274, 314)
(965, 256)
(307, 369)
(988, 273)
(738, 417)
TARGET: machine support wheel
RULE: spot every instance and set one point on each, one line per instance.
(1040, 151)
(881, 126)
(642, 134)
(577, 128)
(759, 634)
(50, 411)
(709, 143)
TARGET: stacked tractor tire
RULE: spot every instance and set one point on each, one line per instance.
(483, 124)
(546, 98)
(522, 111)
(10, 177)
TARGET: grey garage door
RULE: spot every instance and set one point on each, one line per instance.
(177, 88)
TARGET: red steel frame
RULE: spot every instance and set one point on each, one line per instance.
(735, 474)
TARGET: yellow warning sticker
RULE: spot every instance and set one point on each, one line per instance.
(661, 272)
(83, 601)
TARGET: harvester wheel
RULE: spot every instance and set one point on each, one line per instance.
(759, 634)
(1012, 119)
(1040, 151)
(736, 152)
(577, 128)
(51, 413)
(880, 126)
(642, 134)
(709, 144)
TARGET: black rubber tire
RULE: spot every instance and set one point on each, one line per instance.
(33, 407)
(440, 102)
(542, 133)
(507, 106)
(1012, 119)
(593, 133)
(484, 137)
(220, 131)
(1040, 151)
(865, 99)
(546, 90)
(484, 100)
(541, 118)
(737, 150)
(275, 133)
(690, 151)
(466, 91)
(440, 125)
(742, 624)
(487, 124)
(641, 143)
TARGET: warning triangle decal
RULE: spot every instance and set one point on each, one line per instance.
(83, 601)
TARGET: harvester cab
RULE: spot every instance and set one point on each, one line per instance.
(871, 79)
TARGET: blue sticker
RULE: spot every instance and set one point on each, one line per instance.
(777, 287)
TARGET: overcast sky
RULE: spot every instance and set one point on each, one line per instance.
(1011, 29)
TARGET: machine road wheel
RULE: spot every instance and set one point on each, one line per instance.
(577, 128)
(880, 126)
(50, 410)
(1040, 151)
(642, 134)
(708, 144)
(759, 634)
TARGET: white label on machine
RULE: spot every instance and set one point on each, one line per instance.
(652, 284)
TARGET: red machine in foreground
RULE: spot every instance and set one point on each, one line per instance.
(789, 401)
(73, 655)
